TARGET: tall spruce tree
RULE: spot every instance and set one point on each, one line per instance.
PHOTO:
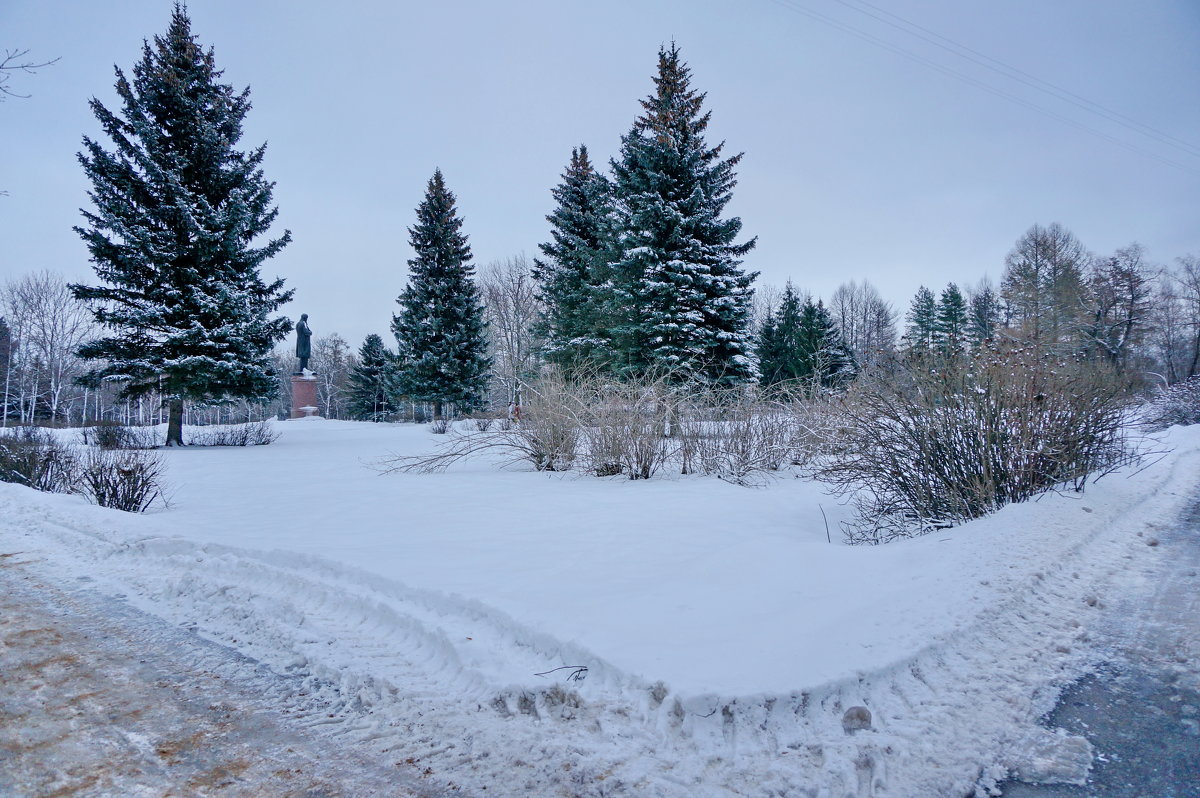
(371, 381)
(442, 349)
(921, 331)
(951, 324)
(177, 212)
(571, 271)
(679, 301)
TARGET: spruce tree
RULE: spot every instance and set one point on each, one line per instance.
(571, 272)
(951, 326)
(801, 343)
(921, 331)
(371, 380)
(779, 342)
(679, 301)
(178, 210)
(984, 315)
(442, 348)
(825, 358)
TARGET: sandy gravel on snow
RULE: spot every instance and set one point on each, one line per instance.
(99, 700)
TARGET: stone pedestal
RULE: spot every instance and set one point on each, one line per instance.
(304, 395)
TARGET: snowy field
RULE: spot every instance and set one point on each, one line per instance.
(529, 634)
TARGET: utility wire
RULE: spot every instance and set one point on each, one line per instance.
(1013, 73)
(949, 72)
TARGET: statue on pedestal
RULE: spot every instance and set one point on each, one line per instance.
(303, 342)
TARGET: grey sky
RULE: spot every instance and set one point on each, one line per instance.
(860, 163)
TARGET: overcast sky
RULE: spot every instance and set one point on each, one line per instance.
(870, 153)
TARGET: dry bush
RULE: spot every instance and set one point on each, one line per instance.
(439, 426)
(738, 435)
(931, 444)
(482, 421)
(546, 437)
(1179, 404)
(113, 435)
(121, 479)
(628, 426)
(256, 433)
(36, 459)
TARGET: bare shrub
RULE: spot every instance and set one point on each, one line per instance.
(1179, 404)
(737, 435)
(113, 435)
(36, 459)
(546, 437)
(931, 444)
(628, 428)
(439, 426)
(482, 422)
(121, 479)
(256, 433)
(549, 427)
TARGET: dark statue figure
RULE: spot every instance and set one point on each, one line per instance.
(303, 342)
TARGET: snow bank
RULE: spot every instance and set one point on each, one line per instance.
(449, 616)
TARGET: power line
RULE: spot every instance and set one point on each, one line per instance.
(960, 76)
(1019, 75)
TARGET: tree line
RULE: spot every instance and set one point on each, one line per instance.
(641, 276)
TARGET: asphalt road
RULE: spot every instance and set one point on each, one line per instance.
(1141, 709)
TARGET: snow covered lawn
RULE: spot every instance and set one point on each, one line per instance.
(443, 616)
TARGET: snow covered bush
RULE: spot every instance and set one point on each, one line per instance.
(35, 458)
(929, 444)
(1179, 404)
(255, 433)
(113, 435)
(121, 479)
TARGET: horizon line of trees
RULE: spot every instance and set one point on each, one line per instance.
(642, 275)
(1120, 309)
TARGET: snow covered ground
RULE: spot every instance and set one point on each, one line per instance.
(447, 618)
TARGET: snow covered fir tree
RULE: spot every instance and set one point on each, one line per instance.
(572, 269)
(370, 382)
(440, 330)
(679, 301)
(642, 274)
(178, 211)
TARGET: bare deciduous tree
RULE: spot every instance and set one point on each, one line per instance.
(512, 309)
(47, 326)
(866, 321)
(1044, 285)
(332, 363)
(1120, 289)
(15, 61)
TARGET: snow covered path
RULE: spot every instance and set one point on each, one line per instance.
(1141, 708)
(723, 642)
(97, 699)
